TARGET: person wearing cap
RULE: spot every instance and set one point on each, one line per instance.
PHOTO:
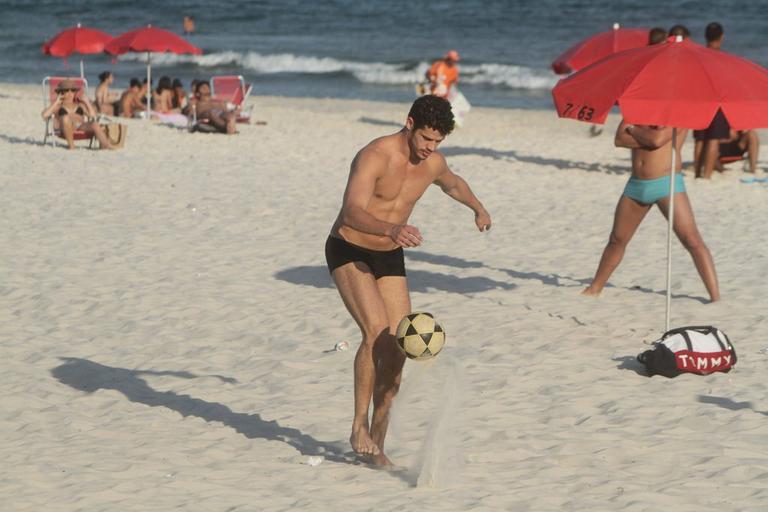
(72, 111)
(443, 74)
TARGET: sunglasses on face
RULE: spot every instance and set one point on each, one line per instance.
(68, 90)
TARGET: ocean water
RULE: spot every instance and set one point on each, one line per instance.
(364, 49)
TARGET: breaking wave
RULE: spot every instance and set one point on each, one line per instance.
(491, 74)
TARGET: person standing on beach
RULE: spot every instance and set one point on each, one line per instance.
(364, 252)
(443, 74)
(649, 184)
(706, 149)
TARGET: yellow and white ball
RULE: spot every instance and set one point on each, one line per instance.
(419, 336)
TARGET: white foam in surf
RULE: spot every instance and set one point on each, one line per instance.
(425, 421)
(499, 75)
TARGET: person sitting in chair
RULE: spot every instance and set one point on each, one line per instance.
(739, 142)
(72, 111)
(220, 114)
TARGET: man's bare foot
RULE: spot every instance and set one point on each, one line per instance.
(590, 292)
(362, 443)
(381, 461)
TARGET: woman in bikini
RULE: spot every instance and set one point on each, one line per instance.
(71, 111)
(649, 184)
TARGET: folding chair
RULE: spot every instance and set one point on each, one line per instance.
(729, 154)
(233, 89)
(52, 130)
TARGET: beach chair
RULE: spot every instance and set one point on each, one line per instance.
(729, 154)
(233, 89)
(49, 96)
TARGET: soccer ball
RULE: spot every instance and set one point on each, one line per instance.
(419, 336)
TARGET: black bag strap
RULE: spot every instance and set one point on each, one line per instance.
(703, 329)
(731, 349)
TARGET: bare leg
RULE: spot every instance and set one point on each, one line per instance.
(710, 153)
(688, 234)
(752, 143)
(231, 119)
(389, 360)
(363, 299)
(98, 131)
(629, 215)
(697, 160)
(682, 133)
(68, 129)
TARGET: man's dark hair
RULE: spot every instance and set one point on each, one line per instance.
(199, 84)
(104, 75)
(433, 112)
(135, 82)
(713, 32)
(657, 35)
(680, 30)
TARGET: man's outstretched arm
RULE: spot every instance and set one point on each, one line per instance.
(458, 189)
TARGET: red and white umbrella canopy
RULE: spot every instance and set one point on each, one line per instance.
(678, 83)
(77, 39)
(150, 39)
(599, 46)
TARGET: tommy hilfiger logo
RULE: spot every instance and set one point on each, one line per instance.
(703, 361)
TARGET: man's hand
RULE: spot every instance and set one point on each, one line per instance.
(405, 236)
(483, 220)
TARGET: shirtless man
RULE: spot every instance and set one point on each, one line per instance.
(365, 253)
(130, 101)
(217, 112)
(649, 184)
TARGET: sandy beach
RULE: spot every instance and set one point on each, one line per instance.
(168, 324)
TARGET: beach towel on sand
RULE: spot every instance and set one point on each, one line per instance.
(701, 350)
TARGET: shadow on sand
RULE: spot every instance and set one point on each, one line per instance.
(17, 140)
(727, 403)
(631, 363)
(89, 376)
(555, 162)
(379, 122)
(418, 280)
(547, 279)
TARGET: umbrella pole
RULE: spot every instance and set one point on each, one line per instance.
(82, 70)
(670, 225)
(149, 86)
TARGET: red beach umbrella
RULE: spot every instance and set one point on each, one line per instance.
(599, 46)
(677, 83)
(150, 39)
(77, 39)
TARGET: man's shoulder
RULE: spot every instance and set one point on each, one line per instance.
(436, 159)
(382, 147)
